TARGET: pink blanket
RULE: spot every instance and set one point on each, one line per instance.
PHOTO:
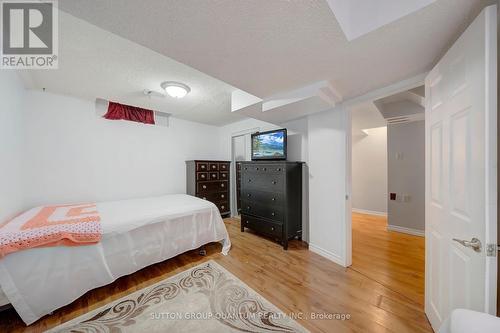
(68, 225)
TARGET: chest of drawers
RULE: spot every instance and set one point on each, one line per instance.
(271, 199)
(209, 180)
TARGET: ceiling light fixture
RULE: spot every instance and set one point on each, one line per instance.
(175, 89)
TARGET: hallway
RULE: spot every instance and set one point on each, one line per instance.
(396, 260)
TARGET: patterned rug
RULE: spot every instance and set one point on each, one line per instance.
(206, 298)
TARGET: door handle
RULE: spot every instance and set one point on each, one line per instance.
(474, 243)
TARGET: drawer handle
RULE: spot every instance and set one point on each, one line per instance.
(246, 169)
(248, 207)
(273, 199)
(222, 195)
(222, 207)
(222, 185)
(213, 176)
(279, 169)
(202, 176)
(223, 175)
(204, 186)
(274, 182)
(249, 180)
(272, 214)
(249, 195)
(246, 222)
(272, 228)
(203, 167)
(257, 169)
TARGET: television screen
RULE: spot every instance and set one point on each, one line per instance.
(269, 145)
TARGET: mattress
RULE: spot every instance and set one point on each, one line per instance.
(136, 234)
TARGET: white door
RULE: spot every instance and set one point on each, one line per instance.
(461, 129)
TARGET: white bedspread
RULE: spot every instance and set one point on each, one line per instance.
(136, 234)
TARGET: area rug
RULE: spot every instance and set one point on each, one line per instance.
(206, 298)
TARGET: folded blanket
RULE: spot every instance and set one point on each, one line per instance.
(68, 225)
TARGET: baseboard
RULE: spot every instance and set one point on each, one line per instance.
(327, 254)
(410, 231)
(369, 212)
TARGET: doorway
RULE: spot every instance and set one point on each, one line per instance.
(388, 192)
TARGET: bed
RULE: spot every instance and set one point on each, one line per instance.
(135, 234)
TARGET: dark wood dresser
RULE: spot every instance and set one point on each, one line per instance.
(271, 199)
(238, 187)
(209, 180)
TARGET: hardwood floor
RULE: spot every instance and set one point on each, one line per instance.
(394, 259)
(308, 284)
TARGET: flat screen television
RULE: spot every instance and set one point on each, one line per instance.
(269, 145)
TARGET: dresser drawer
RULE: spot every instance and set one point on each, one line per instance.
(201, 176)
(223, 206)
(261, 225)
(215, 186)
(223, 166)
(223, 175)
(271, 212)
(214, 197)
(264, 168)
(201, 166)
(213, 175)
(213, 166)
(270, 182)
(267, 198)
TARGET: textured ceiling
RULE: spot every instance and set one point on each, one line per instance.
(268, 47)
(94, 63)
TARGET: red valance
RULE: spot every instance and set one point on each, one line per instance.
(117, 111)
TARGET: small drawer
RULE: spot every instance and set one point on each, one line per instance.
(224, 175)
(213, 175)
(201, 176)
(264, 168)
(223, 207)
(201, 166)
(223, 166)
(213, 166)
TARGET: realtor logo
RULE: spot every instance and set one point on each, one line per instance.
(29, 34)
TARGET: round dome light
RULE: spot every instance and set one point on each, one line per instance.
(175, 89)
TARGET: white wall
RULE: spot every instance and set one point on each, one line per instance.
(328, 133)
(76, 156)
(369, 171)
(406, 167)
(12, 172)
